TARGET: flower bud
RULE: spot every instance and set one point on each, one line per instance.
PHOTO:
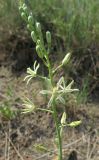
(38, 27)
(33, 35)
(48, 37)
(30, 19)
(29, 27)
(66, 59)
(63, 119)
(25, 9)
(20, 9)
(39, 51)
(39, 42)
(23, 15)
(24, 5)
(74, 124)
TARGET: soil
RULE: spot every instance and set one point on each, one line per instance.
(31, 136)
(21, 136)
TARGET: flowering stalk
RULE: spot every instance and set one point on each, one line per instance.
(57, 90)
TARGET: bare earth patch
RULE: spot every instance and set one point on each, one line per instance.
(22, 137)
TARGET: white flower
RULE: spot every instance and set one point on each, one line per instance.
(28, 106)
(62, 88)
(32, 73)
(57, 93)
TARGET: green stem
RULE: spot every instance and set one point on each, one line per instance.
(58, 132)
(50, 71)
(55, 115)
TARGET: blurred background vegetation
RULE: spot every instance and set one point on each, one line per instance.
(75, 21)
(74, 25)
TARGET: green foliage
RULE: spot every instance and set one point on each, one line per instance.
(6, 110)
(57, 90)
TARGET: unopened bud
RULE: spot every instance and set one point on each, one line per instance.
(74, 124)
(30, 19)
(63, 119)
(24, 5)
(48, 37)
(39, 42)
(29, 27)
(20, 9)
(33, 35)
(39, 51)
(25, 9)
(38, 27)
(66, 59)
(23, 15)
